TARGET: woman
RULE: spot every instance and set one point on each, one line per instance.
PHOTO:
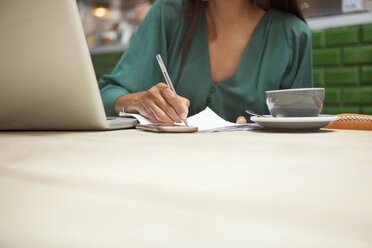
(219, 53)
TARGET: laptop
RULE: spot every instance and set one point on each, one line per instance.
(47, 77)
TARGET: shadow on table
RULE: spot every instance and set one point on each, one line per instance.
(293, 131)
(41, 133)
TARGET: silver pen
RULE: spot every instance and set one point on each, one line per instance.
(167, 78)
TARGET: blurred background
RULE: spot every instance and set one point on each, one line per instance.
(110, 24)
(342, 44)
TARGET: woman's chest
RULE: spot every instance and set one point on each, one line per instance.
(225, 56)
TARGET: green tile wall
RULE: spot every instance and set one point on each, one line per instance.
(318, 39)
(332, 96)
(367, 110)
(358, 55)
(338, 110)
(327, 57)
(367, 74)
(318, 75)
(358, 95)
(342, 76)
(343, 65)
(342, 59)
(105, 63)
(367, 33)
(343, 36)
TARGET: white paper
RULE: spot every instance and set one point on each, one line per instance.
(140, 118)
(205, 121)
(209, 121)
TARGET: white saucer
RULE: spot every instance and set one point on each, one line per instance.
(295, 123)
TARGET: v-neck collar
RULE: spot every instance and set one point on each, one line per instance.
(255, 33)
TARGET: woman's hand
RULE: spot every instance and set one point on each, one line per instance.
(158, 104)
(241, 120)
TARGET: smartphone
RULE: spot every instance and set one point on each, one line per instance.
(167, 128)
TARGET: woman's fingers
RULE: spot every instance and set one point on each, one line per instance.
(241, 120)
(167, 109)
(146, 112)
(179, 104)
(156, 111)
(160, 115)
(163, 104)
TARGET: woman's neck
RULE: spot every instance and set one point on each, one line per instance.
(226, 16)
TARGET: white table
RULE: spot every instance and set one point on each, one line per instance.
(136, 189)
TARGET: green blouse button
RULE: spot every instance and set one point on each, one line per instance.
(213, 89)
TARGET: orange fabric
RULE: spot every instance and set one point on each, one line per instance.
(352, 121)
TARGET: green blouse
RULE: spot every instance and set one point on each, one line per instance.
(278, 56)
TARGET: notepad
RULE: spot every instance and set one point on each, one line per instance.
(206, 121)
